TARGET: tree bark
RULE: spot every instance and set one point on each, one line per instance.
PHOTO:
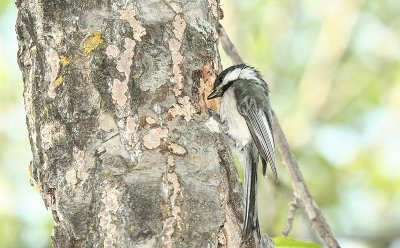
(124, 153)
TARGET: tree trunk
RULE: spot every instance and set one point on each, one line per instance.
(124, 153)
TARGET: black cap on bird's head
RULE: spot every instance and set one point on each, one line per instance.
(229, 75)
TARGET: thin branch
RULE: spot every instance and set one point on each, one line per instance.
(298, 184)
(228, 46)
(300, 188)
(293, 206)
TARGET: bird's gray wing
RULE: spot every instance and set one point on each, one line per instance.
(259, 122)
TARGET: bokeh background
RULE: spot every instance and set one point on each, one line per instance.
(333, 68)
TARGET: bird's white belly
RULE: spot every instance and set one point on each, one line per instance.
(234, 125)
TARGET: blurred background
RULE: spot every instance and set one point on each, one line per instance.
(24, 220)
(333, 68)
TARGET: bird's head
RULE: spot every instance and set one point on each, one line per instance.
(231, 74)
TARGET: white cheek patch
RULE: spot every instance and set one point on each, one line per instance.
(233, 75)
(240, 73)
(248, 73)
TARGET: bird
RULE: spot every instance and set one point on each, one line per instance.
(246, 121)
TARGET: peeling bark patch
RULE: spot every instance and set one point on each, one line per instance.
(150, 120)
(179, 25)
(152, 139)
(177, 149)
(107, 122)
(70, 177)
(183, 108)
(92, 41)
(175, 219)
(111, 206)
(132, 137)
(125, 61)
(168, 230)
(176, 7)
(131, 128)
(112, 51)
(55, 69)
(216, 9)
(173, 179)
(129, 16)
(174, 44)
(128, 127)
(51, 91)
(51, 133)
(79, 157)
(81, 172)
(54, 62)
(119, 90)
(171, 162)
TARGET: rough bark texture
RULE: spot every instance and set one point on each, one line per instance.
(123, 150)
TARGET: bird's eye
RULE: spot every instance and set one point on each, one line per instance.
(219, 80)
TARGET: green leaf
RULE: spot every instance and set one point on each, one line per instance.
(284, 242)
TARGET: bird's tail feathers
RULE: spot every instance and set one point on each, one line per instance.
(250, 222)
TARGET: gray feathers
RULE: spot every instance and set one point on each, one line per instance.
(250, 222)
(253, 104)
(260, 131)
(247, 122)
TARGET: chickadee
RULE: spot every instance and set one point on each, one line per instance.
(246, 120)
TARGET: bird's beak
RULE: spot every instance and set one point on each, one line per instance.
(213, 94)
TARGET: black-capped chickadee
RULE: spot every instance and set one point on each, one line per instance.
(246, 120)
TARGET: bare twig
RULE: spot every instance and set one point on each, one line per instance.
(228, 46)
(293, 206)
(298, 184)
(300, 188)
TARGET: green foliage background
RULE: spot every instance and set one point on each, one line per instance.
(334, 73)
